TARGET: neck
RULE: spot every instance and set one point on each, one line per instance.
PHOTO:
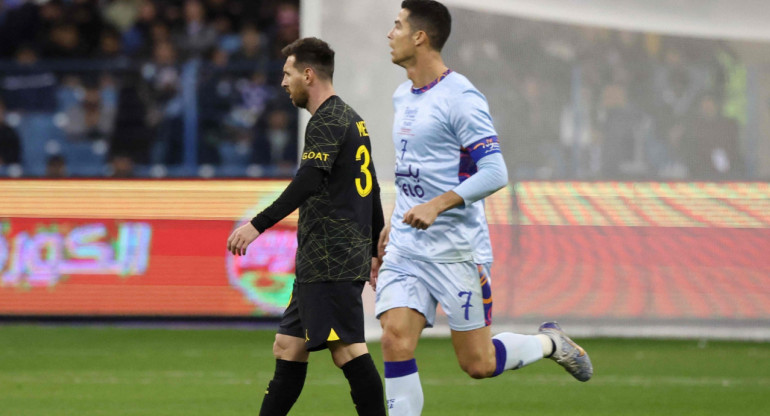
(425, 68)
(317, 97)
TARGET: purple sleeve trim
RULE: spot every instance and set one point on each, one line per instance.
(484, 147)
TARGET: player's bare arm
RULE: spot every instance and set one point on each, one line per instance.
(376, 263)
(383, 241)
(240, 239)
(422, 216)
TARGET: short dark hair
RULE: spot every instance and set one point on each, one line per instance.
(314, 53)
(431, 17)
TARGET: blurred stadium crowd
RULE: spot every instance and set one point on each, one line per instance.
(191, 88)
(126, 88)
(584, 102)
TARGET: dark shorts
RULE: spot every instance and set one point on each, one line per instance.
(325, 311)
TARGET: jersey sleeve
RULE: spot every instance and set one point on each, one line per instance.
(304, 184)
(323, 142)
(471, 122)
(492, 176)
(378, 219)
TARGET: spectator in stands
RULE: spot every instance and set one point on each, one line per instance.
(227, 37)
(64, 42)
(217, 85)
(279, 140)
(10, 145)
(253, 96)
(538, 138)
(163, 77)
(132, 135)
(29, 89)
(631, 65)
(121, 166)
(252, 52)
(109, 45)
(121, 13)
(92, 119)
(172, 14)
(623, 129)
(710, 143)
(87, 18)
(196, 36)
(56, 167)
(20, 25)
(676, 88)
(225, 9)
(139, 35)
(576, 133)
(287, 25)
(276, 140)
(160, 32)
(51, 14)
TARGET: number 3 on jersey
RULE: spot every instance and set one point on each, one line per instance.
(364, 190)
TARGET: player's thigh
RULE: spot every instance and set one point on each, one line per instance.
(458, 289)
(401, 329)
(342, 353)
(290, 348)
(399, 286)
(475, 351)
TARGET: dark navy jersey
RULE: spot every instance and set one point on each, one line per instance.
(338, 222)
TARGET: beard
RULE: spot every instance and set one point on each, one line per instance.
(299, 98)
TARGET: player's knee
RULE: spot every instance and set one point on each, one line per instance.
(396, 342)
(289, 348)
(477, 369)
(278, 349)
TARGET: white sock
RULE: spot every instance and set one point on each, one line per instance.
(520, 350)
(547, 344)
(402, 388)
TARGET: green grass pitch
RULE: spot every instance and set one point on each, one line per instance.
(95, 371)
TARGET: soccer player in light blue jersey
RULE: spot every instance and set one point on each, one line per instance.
(447, 160)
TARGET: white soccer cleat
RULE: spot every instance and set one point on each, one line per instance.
(567, 353)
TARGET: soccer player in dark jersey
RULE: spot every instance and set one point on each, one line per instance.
(340, 218)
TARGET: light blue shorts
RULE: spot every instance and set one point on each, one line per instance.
(463, 290)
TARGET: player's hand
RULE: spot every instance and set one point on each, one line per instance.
(421, 216)
(383, 241)
(241, 238)
(375, 272)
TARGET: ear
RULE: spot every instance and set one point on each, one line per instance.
(308, 75)
(420, 38)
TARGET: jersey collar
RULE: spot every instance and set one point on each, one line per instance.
(432, 84)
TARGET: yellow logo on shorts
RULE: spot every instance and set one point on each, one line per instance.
(333, 336)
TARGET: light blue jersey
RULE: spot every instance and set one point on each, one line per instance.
(440, 132)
